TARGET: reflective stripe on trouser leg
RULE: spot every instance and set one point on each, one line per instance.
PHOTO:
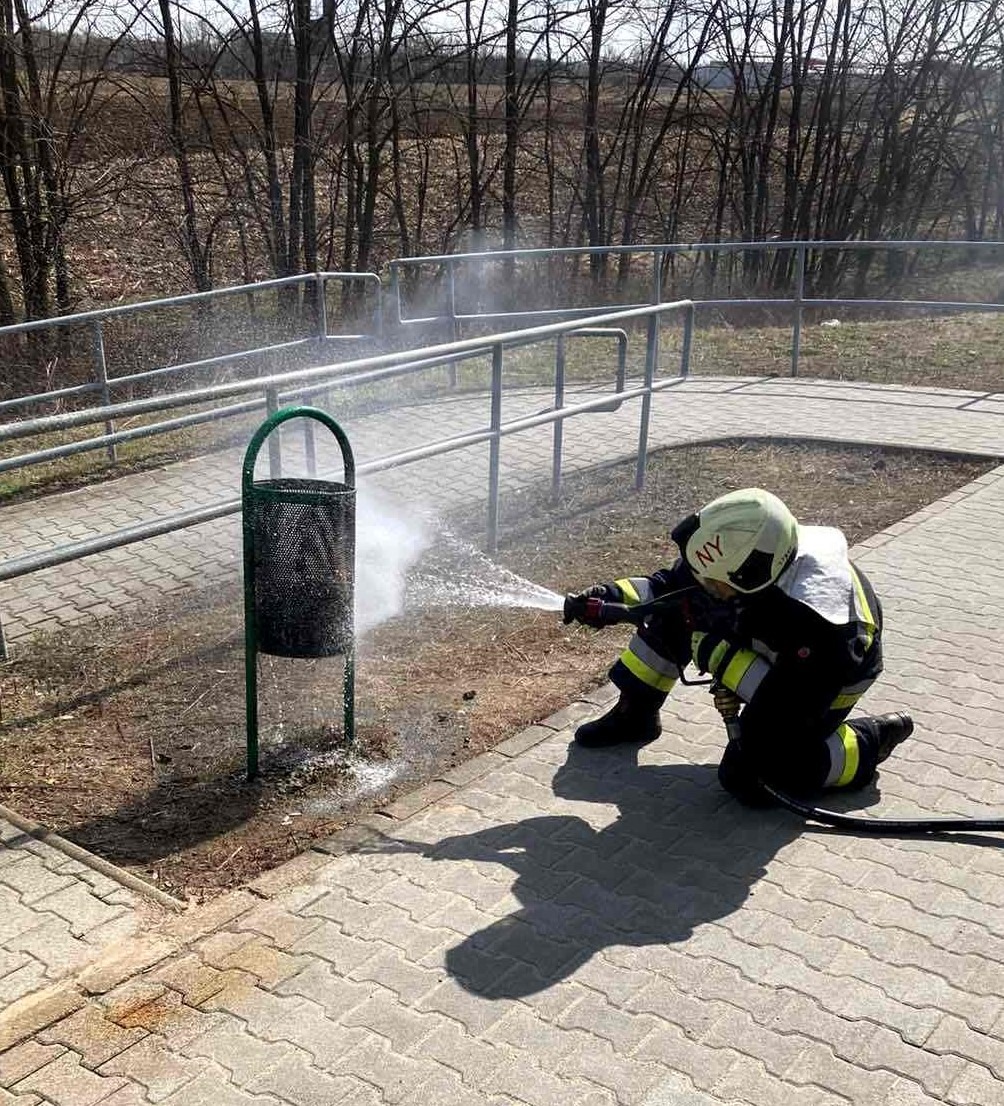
(649, 667)
(845, 756)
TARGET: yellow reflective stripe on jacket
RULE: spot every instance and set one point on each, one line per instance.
(646, 673)
(628, 592)
(737, 669)
(868, 618)
(717, 654)
(850, 694)
(745, 673)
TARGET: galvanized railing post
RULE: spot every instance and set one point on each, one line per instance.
(101, 375)
(4, 648)
(454, 324)
(274, 440)
(657, 276)
(309, 447)
(688, 339)
(320, 291)
(395, 294)
(378, 309)
(495, 449)
(796, 331)
(651, 368)
(559, 402)
(622, 348)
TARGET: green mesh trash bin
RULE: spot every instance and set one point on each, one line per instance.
(303, 571)
(299, 568)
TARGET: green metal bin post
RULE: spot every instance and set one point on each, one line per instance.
(299, 569)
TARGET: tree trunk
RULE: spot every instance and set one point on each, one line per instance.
(194, 250)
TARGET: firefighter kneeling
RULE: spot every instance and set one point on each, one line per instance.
(782, 620)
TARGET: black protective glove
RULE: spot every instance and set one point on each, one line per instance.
(576, 604)
(714, 616)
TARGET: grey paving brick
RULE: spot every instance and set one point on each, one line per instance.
(670, 1048)
(344, 951)
(386, 1015)
(748, 1081)
(324, 1040)
(91, 1034)
(318, 982)
(19, 1062)
(375, 1063)
(294, 1080)
(817, 1064)
(32, 880)
(259, 958)
(8, 1098)
(445, 1088)
(472, 1058)
(67, 1082)
(282, 927)
(82, 909)
(159, 1071)
(624, 1031)
(213, 1088)
(15, 918)
(22, 981)
(52, 943)
(241, 1053)
(391, 969)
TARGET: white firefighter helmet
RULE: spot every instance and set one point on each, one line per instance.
(745, 539)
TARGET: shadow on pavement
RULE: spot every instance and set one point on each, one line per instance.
(681, 853)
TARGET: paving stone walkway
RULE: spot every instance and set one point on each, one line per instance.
(547, 926)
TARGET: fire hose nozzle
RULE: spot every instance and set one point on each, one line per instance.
(599, 612)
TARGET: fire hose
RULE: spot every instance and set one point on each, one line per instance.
(596, 611)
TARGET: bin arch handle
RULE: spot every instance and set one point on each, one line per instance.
(284, 414)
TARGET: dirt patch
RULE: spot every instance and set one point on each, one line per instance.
(129, 737)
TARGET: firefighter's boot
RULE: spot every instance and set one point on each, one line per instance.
(877, 737)
(627, 721)
(890, 731)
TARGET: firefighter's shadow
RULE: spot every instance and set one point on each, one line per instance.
(680, 853)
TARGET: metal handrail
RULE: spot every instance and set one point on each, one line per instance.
(368, 367)
(692, 247)
(380, 367)
(104, 383)
(659, 251)
(102, 313)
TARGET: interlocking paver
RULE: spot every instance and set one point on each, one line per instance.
(294, 1080)
(241, 1053)
(66, 1082)
(19, 1062)
(91, 1034)
(158, 1071)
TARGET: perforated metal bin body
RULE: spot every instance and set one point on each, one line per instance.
(304, 548)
